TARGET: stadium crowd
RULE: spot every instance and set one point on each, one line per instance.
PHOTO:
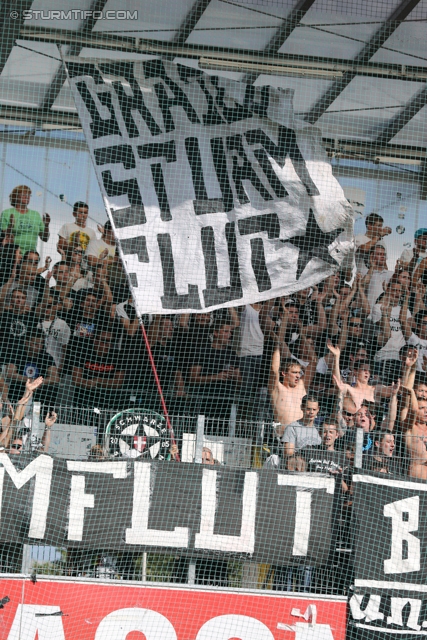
(350, 352)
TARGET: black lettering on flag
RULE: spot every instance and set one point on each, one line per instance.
(212, 116)
(268, 222)
(231, 114)
(243, 170)
(214, 294)
(257, 108)
(287, 146)
(122, 153)
(131, 103)
(220, 163)
(257, 224)
(165, 150)
(99, 127)
(156, 69)
(77, 69)
(171, 299)
(122, 187)
(265, 164)
(128, 217)
(259, 265)
(138, 246)
(202, 204)
(135, 103)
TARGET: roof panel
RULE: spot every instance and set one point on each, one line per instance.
(409, 45)
(158, 19)
(226, 25)
(45, 19)
(365, 106)
(415, 132)
(28, 72)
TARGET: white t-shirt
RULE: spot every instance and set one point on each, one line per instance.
(57, 334)
(71, 230)
(408, 254)
(375, 288)
(390, 351)
(361, 265)
(251, 336)
(421, 346)
(96, 247)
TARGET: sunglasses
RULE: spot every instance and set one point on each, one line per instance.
(347, 414)
(16, 446)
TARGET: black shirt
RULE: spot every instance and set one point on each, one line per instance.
(213, 361)
(30, 366)
(14, 330)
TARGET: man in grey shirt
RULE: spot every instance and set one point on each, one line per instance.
(301, 433)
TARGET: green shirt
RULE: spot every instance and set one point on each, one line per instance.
(26, 228)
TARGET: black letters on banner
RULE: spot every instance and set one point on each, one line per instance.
(85, 514)
(128, 103)
(156, 69)
(269, 223)
(165, 150)
(287, 146)
(202, 204)
(122, 187)
(171, 299)
(214, 294)
(99, 126)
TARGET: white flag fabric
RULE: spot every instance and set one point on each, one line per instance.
(217, 194)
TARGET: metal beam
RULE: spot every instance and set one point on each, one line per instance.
(370, 48)
(190, 21)
(35, 116)
(11, 27)
(74, 50)
(234, 57)
(283, 33)
(417, 102)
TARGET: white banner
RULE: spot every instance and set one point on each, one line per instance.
(218, 195)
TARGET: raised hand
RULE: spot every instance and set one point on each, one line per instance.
(424, 365)
(47, 263)
(385, 231)
(103, 254)
(31, 385)
(50, 419)
(46, 219)
(334, 350)
(100, 229)
(395, 387)
(411, 360)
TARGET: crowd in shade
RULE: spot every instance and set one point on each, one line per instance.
(350, 352)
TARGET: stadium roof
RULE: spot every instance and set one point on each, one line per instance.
(359, 69)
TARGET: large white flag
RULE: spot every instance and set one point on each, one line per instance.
(218, 195)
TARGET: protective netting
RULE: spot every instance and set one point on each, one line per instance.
(213, 319)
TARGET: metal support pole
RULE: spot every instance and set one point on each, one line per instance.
(191, 577)
(358, 454)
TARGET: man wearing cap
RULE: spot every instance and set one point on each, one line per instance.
(412, 257)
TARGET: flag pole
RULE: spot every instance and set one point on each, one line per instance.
(159, 387)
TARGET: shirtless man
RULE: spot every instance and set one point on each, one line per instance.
(286, 385)
(361, 391)
(415, 430)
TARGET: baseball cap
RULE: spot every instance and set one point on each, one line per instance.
(420, 232)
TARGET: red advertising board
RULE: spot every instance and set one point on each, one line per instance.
(68, 610)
